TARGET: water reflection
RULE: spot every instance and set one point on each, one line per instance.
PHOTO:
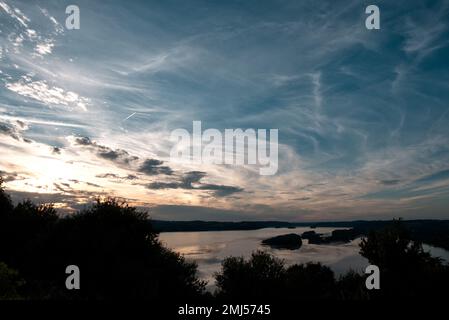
(208, 249)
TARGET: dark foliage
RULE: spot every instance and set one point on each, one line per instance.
(5, 201)
(20, 227)
(266, 277)
(113, 244)
(10, 283)
(406, 269)
(309, 281)
(261, 276)
(351, 286)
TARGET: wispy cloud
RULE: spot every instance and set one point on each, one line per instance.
(360, 114)
(49, 95)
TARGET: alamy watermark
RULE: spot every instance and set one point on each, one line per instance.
(234, 147)
(73, 280)
(372, 22)
(373, 280)
(72, 21)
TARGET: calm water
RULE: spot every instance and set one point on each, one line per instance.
(208, 249)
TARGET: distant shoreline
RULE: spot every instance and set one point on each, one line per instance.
(201, 225)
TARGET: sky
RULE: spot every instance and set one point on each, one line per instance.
(362, 114)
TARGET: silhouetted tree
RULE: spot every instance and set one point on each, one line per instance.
(113, 244)
(118, 254)
(259, 277)
(351, 286)
(20, 226)
(6, 205)
(309, 281)
(264, 276)
(406, 269)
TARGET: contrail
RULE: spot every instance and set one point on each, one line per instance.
(129, 116)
